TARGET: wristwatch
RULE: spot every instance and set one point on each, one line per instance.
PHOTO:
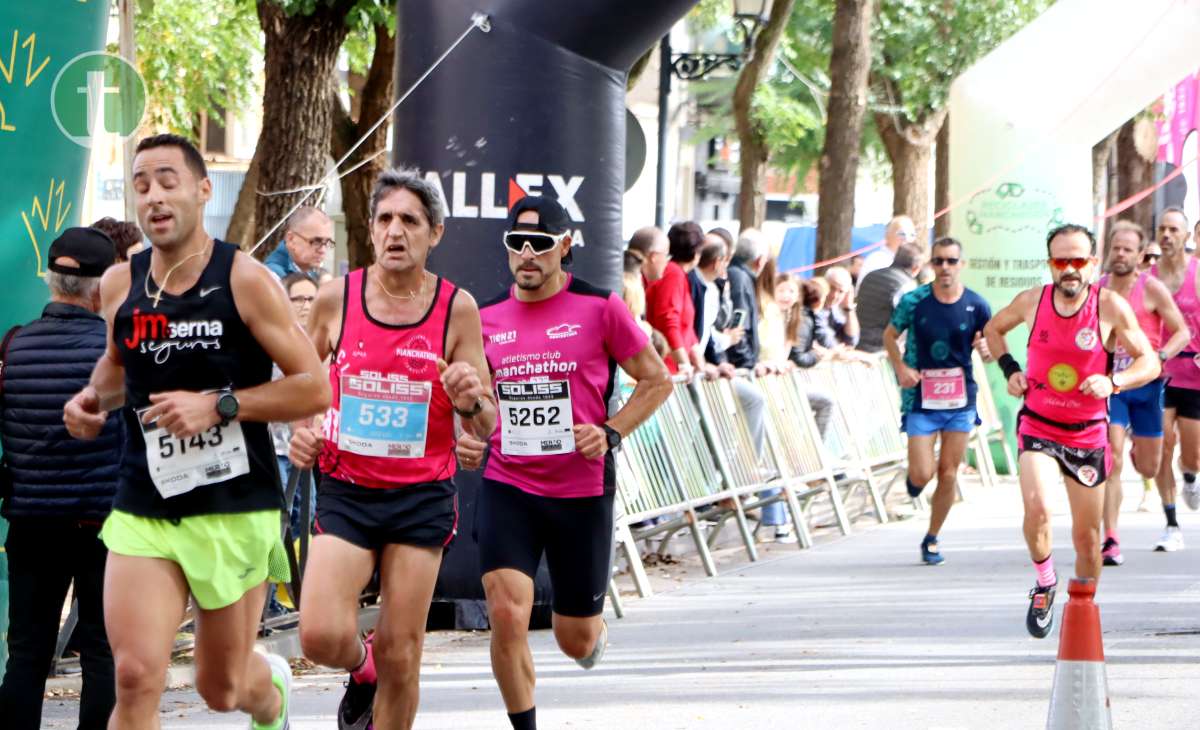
(227, 405)
(471, 413)
(612, 436)
(1162, 356)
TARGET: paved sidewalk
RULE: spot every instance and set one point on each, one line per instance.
(851, 634)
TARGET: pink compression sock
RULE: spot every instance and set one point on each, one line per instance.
(1045, 572)
(365, 674)
(1111, 535)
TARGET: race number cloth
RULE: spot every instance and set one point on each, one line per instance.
(939, 342)
(575, 338)
(384, 416)
(537, 418)
(391, 423)
(179, 465)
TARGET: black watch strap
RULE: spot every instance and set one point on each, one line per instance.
(612, 436)
(471, 413)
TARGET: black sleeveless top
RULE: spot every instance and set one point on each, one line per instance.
(198, 342)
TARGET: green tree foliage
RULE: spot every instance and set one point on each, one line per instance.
(197, 57)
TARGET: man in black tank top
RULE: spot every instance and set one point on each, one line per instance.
(194, 326)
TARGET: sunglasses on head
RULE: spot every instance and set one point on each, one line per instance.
(1149, 258)
(1076, 263)
(538, 242)
(947, 260)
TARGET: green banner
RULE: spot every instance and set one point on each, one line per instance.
(44, 162)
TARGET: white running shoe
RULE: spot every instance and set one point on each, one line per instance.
(593, 659)
(1191, 495)
(784, 535)
(281, 674)
(1171, 541)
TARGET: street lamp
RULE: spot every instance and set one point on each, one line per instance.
(749, 16)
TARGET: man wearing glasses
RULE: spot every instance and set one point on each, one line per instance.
(1062, 427)
(1139, 410)
(308, 234)
(553, 344)
(944, 321)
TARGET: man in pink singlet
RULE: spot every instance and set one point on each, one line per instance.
(553, 345)
(385, 499)
(1139, 410)
(1062, 428)
(1181, 420)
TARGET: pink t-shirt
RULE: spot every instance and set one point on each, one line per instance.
(554, 364)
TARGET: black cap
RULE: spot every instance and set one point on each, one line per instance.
(93, 249)
(552, 217)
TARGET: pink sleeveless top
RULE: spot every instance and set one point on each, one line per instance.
(1150, 322)
(1062, 353)
(1183, 370)
(391, 423)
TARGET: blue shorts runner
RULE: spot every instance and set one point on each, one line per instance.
(1140, 408)
(928, 423)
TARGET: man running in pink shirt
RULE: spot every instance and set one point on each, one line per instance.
(553, 344)
(1062, 427)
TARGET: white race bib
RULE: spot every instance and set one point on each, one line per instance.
(943, 389)
(384, 416)
(178, 466)
(535, 418)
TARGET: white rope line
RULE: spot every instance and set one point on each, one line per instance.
(478, 20)
(322, 185)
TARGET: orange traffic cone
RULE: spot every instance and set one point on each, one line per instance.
(1079, 699)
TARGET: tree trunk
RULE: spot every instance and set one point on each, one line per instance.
(909, 148)
(848, 67)
(1134, 174)
(754, 153)
(375, 98)
(941, 182)
(300, 54)
(241, 223)
(1100, 154)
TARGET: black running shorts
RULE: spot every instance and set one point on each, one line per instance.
(1089, 467)
(425, 515)
(1185, 401)
(515, 527)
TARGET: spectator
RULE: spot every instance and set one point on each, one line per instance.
(881, 290)
(302, 291)
(61, 489)
(725, 311)
(900, 230)
(652, 248)
(801, 301)
(856, 265)
(308, 234)
(669, 306)
(634, 296)
(125, 235)
(822, 331)
(749, 257)
(843, 317)
(705, 281)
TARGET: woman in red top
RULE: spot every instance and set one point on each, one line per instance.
(669, 307)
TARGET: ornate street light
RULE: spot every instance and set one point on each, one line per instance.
(748, 18)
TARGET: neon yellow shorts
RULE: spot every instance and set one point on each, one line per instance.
(222, 556)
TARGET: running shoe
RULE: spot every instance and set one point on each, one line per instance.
(1040, 618)
(591, 660)
(1191, 494)
(930, 553)
(281, 677)
(1170, 542)
(356, 710)
(1112, 552)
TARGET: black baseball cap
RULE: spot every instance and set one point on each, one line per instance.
(93, 249)
(552, 217)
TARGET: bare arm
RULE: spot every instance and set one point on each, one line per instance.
(1146, 365)
(1021, 309)
(466, 377)
(907, 376)
(85, 413)
(1166, 308)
